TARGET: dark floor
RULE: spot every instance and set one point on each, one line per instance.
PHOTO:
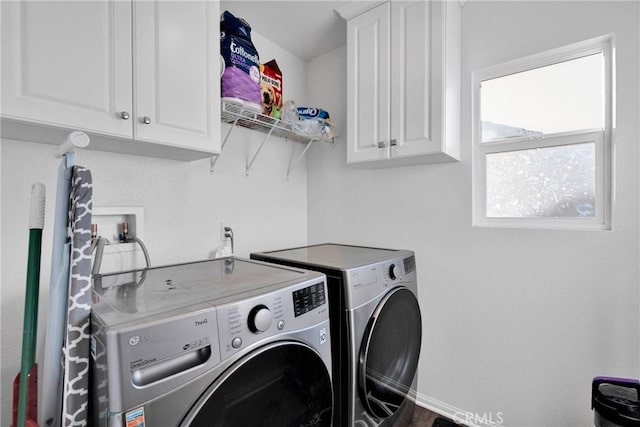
(423, 418)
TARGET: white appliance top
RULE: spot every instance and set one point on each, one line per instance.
(342, 257)
(127, 296)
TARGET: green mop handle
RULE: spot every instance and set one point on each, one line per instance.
(29, 334)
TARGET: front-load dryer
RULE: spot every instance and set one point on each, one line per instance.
(224, 342)
(376, 328)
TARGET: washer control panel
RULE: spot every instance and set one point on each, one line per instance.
(260, 318)
(309, 298)
(242, 324)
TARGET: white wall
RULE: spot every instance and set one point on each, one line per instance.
(516, 321)
(183, 208)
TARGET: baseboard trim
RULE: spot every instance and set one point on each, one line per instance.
(457, 415)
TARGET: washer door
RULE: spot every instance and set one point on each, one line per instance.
(281, 384)
(389, 353)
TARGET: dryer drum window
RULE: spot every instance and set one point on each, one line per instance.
(282, 384)
(389, 353)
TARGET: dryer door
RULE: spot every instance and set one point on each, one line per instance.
(281, 384)
(389, 353)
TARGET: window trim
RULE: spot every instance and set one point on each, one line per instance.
(601, 137)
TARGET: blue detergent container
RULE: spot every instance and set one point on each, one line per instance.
(616, 402)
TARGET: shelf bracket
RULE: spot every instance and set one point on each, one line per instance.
(253, 159)
(295, 162)
(224, 142)
(241, 116)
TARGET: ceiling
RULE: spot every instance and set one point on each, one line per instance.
(306, 28)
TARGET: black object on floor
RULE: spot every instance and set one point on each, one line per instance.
(615, 401)
(443, 422)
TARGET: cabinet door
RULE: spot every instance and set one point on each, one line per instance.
(413, 102)
(67, 64)
(425, 105)
(177, 73)
(368, 85)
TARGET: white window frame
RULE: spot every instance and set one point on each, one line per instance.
(602, 138)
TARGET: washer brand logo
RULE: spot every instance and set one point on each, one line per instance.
(200, 322)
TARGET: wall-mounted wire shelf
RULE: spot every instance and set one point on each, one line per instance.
(237, 114)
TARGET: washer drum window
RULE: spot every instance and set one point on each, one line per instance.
(281, 384)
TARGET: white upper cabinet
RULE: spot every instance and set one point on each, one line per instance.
(177, 73)
(67, 64)
(368, 86)
(140, 78)
(403, 68)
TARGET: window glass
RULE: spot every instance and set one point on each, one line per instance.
(562, 97)
(542, 182)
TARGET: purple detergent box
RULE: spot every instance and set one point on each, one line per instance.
(240, 81)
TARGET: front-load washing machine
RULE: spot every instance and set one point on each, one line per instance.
(376, 328)
(226, 342)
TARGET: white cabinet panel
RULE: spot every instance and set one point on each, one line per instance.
(368, 90)
(68, 63)
(411, 96)
(140, 77)
(177, 73)
(413, 115)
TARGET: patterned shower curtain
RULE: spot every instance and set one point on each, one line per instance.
(77, 337)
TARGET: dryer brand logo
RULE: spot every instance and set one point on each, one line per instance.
(200, 322)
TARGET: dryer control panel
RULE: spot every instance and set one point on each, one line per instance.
(366, 283)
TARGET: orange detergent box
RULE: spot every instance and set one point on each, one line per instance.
(271, 89)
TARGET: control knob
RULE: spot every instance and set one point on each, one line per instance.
(259, 319)
(393, 272)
